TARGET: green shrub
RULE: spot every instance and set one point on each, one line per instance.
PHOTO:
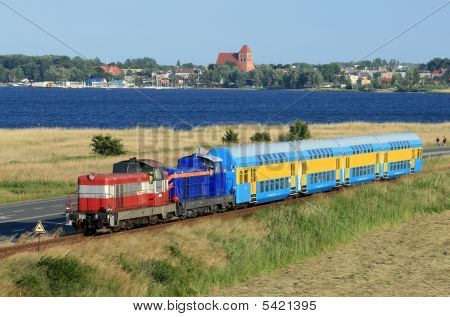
(53, 276)
(283, 138)
(261, 137)
(106, 145)
(298, 130)
(230, 137)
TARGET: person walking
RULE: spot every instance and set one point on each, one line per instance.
(444, 140)
(437, 141)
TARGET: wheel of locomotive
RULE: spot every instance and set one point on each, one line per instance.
(90, 231)
(153, 220)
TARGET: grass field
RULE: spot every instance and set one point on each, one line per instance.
(202, 257)
(409, 259)
(42, 163)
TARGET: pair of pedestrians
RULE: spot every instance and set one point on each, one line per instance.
(444, 140)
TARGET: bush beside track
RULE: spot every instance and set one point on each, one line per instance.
(195, 258)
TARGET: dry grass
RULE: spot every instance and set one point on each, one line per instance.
(104, 254)
(411, 259)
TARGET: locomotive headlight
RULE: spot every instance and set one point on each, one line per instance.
(91, 176)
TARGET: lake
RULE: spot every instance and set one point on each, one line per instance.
(124, 108)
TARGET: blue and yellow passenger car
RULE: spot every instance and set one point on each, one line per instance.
(260, 173)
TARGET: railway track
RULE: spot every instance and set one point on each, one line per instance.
(79, 238)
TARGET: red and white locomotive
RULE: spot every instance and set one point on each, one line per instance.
(136, 193)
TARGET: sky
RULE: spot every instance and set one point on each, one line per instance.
(281, 31)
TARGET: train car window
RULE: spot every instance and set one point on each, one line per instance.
(261, 187)
(217, 168)
(209, 164)
(272, 184)
(267, 186)
(120, 167)
(132, 168)
(277, 184)
(292, 169)
(245, 176)
(241, 178)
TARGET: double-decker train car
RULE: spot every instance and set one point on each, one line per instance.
(140, 192)
(260, 173)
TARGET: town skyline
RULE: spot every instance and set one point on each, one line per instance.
(315, 33)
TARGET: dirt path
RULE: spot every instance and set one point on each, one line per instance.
(410, 259)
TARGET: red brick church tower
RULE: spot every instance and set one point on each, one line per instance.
(243, 59)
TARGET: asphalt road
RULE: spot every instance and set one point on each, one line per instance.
(22, 217)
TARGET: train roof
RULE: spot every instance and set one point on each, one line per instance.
(246, 155)
(151, 163)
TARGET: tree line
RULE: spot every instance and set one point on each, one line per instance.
(14, 68)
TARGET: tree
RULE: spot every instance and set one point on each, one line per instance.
(260, 137)
(106, 145)
(298, 130)
(138, 82)
(330, 72)
(178, 63)
(16, 74)
(3, 74)
(230, 137)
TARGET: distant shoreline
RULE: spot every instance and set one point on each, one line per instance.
(388, 90)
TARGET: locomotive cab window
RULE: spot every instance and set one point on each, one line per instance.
(157, 174)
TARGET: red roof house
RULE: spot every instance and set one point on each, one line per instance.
(243, 59)
(112, 70)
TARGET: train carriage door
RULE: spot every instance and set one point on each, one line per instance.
(413, 158)
(377, 164)
(304, 176)
(347, 169)
(253, 181)
(119, 195)
(299, 178)
(338, 170)
(293, 175)
(385, 163)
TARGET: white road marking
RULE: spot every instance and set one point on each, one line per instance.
(38, 208)
(57, 205)
(33, 202)
(35, 217)
(20, 210)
